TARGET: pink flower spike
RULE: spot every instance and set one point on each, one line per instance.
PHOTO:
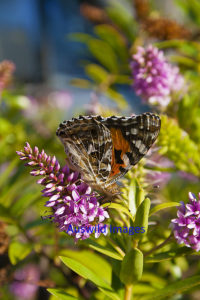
(71, 201)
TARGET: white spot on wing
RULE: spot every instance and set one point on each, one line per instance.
(137, 144)
(126, 160)
(148, 122)
(134, 130)
(143, 149)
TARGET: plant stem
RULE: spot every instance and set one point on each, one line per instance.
(128, 292)
(159, 246)
(116, 247)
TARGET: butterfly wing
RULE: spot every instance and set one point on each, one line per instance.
(88, 145)
(104, 149)
(132, 137)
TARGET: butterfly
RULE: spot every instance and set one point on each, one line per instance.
(105, 149)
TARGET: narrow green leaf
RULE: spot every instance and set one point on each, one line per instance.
(191, 9)
(111, 294)
(140, 194)
(61, 295)
(5, 174)
(24, 202)
(141, 219)
(81, 83)
(117, 97)
(36, 223)
(183, 61)
(175, 288)
(99, 265)
(169, 44)
(154, 280)
(123, 18)
(5, 214)
(169, 254)
(141, 289)
(123, 79)
(132, 267)
(120, 207)
(96, 73)
(130, 195)
(159, 207)
(18, 251)
(104, 54)
(110, 35)
(85, 272)
(16, 188)
(106, 251)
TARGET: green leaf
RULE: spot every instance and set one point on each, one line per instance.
(186, 62)
(159, 207)
(154, 280)
(24, 202)
(170, 290)
(191, 9)
(112, 295)
(87, 273)
(121, 208)
(6, 174)
(5, 214)
(189, 112)
(97, 73)
(129, 195)
(111, 36)
(36, 223)
(99, 265)
(104, 250)
(123, 18)
(139, 193)
(173, 253)
(117, 97)
(142, 289)
(123, 79)
(169, 44)
(61, 295)
(9, 193)
(104, 54)
(81, 83)
(132, 267)
(18, 251)
(141, 219)
(172, 140)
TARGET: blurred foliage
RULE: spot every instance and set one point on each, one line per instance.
(100, 268)
(172, 140)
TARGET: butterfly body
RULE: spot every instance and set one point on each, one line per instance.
(105, 149)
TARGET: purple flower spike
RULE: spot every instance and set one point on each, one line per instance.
(187, 224)
(72, 203)
(154, 78)
(25, 283)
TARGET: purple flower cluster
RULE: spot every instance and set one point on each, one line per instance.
(187, 225)
(154, 78)
(25, 282)
(71, 200)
